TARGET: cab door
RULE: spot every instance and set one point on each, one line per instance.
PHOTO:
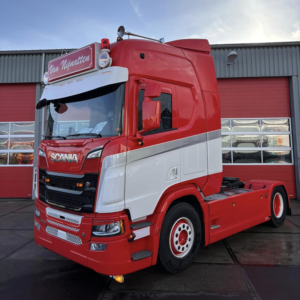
(154, 166)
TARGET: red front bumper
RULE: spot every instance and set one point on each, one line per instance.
(114, 260)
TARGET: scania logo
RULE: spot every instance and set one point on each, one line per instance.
(64, 157)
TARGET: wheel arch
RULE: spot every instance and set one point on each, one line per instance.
(188, 194)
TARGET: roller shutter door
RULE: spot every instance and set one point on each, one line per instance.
(17, 114)
(256, 130)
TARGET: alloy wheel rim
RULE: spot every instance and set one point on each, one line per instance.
(181, 237)
(278, 205)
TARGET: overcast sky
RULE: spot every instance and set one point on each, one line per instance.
(53, 24)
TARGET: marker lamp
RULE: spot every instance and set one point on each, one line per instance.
(110, 229)
(97, 247)
(42, 153)
(37, 225)
(104, 60)
(37, 213)
(95, 154)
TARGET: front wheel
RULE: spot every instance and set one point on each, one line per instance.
(278, 207)
(180, 238)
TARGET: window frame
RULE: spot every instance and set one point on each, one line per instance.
(261, 149)
(8, 151)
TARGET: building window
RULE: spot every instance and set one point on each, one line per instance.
(257, 141)
(16, 143)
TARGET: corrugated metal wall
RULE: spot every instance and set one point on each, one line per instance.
(23, 68)
(257, 61)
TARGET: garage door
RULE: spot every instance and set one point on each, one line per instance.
(256, 130)
(17, 102)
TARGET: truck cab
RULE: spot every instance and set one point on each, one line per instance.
(130, 167)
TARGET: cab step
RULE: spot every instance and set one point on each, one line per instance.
(140, 225)
(141, 255)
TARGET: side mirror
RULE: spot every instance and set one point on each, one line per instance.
(151, 115)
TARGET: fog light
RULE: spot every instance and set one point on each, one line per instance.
(37, 225)
(97, 247)
(37, 213)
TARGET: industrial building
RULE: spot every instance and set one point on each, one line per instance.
(260, 110)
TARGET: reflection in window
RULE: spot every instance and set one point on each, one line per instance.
(21, 143)
(246, 157)
(270, 125)
(166, 111)
(3, 158)
(4, 144)
(226, 141)
(277, 157)
(276, 141)
(225, 125)
(245, 141)
(239, 125)
(226, 157)
(21, 158)
(22, 128)
(4, 128)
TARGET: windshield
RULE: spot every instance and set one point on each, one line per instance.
(95, 113)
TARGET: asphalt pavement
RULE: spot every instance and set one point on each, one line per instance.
(259, 263)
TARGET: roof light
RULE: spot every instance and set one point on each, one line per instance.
(105, 45)
(104, 60)
(46, 78)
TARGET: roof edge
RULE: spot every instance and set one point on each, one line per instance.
(248, 45)
(34, 51)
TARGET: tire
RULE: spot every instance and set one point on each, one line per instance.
(278, 207)
(180, 238)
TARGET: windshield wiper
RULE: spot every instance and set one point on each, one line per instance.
(86, 133)
(54, 136)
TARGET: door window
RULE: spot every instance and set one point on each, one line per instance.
(166, 112)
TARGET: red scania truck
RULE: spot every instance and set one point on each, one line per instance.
(130, 167)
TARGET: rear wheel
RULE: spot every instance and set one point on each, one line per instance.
(180, 238)
(278, 206)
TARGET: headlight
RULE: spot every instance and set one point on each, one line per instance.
(37, 213)
(110, 229)
(95, 154)
(42, 153)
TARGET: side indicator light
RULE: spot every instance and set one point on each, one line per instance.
(131, 237)
(47, 179)
(79, 184)
(233, 204)
(119, 278)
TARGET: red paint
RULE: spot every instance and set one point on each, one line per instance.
(17, 102)
(75, 62)
(254, 97)
(16, 176)
(278, 173)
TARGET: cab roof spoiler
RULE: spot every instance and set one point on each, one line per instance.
(192, 44)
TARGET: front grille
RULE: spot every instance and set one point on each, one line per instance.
(64, 236)
(62, 225)
(83, 202)
(64, 199)
(69, 183)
